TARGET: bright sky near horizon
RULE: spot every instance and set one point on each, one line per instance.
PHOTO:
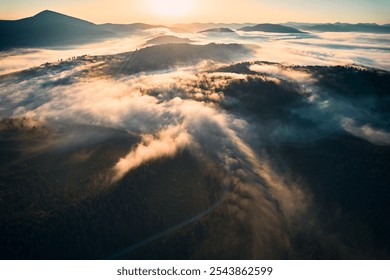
(228, 11)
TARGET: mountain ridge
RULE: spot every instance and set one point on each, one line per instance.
(217, 30)
(49, 28)
(349, 27)
(272, 28)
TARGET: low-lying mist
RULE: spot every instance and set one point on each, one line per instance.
(305, 49)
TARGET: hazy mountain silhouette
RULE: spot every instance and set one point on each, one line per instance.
(347, 27)
(297, 25)
(217, 30)
(49, 28)
(274, 28)
(168, 39)
(127, 28)
(196, 26)
(191, 27)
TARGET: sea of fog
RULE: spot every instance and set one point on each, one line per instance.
(326, 48)
(256, 154)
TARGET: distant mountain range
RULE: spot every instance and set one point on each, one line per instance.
(341, 27)
(347, 27)
(127, 28)
(197, 27)
(274, 28)
(48, 29)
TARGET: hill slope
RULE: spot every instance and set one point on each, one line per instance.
(274, 28)
(161, 57)
(168, 39)
(217, 30)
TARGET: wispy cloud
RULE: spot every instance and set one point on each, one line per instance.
(165, 144)
(366, 132)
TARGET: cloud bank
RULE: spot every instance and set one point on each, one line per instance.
(226, 115)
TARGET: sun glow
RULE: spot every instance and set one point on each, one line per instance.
(172, 8)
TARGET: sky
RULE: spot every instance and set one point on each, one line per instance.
(185, 11)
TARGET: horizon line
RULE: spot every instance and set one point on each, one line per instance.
(192, 22)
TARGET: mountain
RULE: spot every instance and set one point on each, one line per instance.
(217, 30)
(297, 25)
(167, 39)
(127, 28)
(347, 27)
(274, 28)
(161, 57)
(49, 28)
(191, 27)
(205, 201)
(195, 27)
